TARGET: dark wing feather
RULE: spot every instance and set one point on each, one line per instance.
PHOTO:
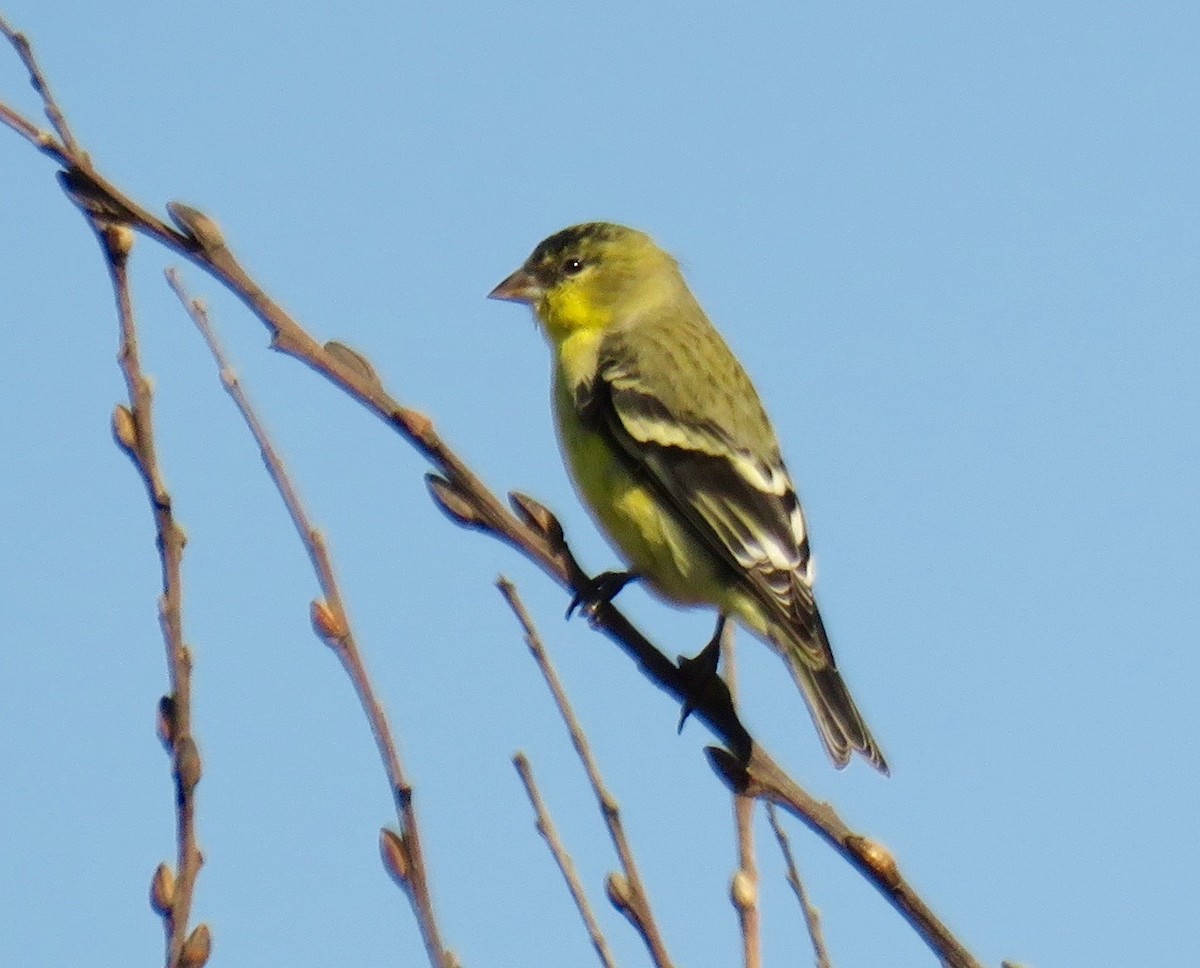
(738, 503)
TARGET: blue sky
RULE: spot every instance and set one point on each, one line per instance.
(957, 248)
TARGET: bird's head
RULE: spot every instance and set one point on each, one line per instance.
(590, 276)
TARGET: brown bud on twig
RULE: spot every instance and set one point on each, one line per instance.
(394, 853)
(535, 514)
(124, 429)
(187, 764)
(354, 360)
(162, 890)
(203, 228)
(742, 891)
(326, 623)
(119, 237)
(617, 887)
(165, 725)
(197, 948)
(454, 504)
(877, 857)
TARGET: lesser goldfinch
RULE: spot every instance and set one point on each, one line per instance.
(673, 454)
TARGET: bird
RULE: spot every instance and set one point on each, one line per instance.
(671, 450)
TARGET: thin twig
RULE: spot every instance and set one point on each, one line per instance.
(332, 623)
(760, 776)
(37, 79)
(534, 531)
(41, 139)
(812, 917)
(133, 427)
(629, 895)
(545, 827)
(744, 887)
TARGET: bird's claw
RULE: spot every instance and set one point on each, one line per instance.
(594, 592)
(701, 671)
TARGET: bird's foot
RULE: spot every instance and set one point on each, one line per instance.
(600, 590)
(701, 671)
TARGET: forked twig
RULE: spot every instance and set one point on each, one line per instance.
(545, 827)
(628, 893)
(401, 852)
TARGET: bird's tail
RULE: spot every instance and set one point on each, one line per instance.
(841, 725)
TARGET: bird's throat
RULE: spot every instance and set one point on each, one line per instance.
(565, 313)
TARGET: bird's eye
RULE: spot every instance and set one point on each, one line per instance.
(572, 267)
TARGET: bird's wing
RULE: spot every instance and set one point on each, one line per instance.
(718, 470)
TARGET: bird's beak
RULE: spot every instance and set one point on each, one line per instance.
(520, 287)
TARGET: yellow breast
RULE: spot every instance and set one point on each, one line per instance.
(647, 534)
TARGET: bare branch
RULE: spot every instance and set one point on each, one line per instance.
(630, 896)
(812, 917)
(332, 624)
(133, 427)
(545, 827)
(743, 889)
